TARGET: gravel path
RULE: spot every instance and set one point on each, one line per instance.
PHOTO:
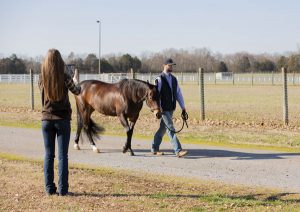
(236, 166)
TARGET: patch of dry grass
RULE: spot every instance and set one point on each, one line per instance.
(99, 189)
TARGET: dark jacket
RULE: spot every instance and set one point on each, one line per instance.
(59, 109)
(168, 95)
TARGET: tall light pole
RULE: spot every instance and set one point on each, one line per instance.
(99, 22)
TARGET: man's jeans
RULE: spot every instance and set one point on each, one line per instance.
(60, 129)
(166, 119)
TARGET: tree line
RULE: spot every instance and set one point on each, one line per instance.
(186, 60)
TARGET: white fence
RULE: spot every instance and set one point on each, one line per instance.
(17, 78)
(193, 77)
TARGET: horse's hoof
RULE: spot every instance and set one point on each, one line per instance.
(76, 146)
(131, 153)
(95, 149)
(124, 150)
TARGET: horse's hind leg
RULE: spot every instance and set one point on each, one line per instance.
(89, 125)
(92, 143)
(78, 132)
(79, 122)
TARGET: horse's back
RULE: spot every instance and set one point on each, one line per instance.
(92, 86)
(101, 96)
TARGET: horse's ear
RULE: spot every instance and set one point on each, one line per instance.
(148, 81)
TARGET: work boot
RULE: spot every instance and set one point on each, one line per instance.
(181, 153)
(158, 153)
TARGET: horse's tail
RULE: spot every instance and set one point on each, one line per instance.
(93, 129)
(84, 121)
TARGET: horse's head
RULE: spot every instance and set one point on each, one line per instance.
(153, 100)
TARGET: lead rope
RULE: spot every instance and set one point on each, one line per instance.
(184, 117)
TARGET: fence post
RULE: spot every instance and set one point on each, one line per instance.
(31, 90)
(232, 78)
(201, 87)
(181, 78)
(272, 77)
(285, 97)
(294, 78)
(150, 77)
(76, 76)
(215, 75)
(252, 80)
(132, 73)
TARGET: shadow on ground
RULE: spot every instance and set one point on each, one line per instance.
(235, 155)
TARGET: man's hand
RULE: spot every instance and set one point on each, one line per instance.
(184, 115)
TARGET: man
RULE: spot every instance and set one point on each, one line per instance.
(169, 92)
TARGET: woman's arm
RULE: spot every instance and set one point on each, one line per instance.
(71, 85)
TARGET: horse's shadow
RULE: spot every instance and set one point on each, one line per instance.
(235, 155)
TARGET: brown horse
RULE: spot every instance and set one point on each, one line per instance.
(123, 99)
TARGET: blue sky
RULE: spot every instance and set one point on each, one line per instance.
(31, 27)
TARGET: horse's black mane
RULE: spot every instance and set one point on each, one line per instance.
(133, 83)
(133, 88)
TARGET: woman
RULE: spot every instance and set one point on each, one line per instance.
(56, 116)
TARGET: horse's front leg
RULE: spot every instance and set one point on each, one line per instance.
(129, 138)
(129, 132)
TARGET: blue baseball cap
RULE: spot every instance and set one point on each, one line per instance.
(169, 61)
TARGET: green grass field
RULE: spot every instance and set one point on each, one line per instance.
(235, 115)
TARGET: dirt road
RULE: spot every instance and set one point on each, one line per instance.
(236, 166)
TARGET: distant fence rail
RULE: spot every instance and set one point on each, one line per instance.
(182, 77)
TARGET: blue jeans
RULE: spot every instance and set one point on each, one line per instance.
(62, 130)
(166, 119)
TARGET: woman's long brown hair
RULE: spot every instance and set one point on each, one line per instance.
(53, 76)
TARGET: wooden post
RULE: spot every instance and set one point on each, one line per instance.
(252, 80)
(272, 77)
(31, 90)
(285, 97)
(202, 99)
(132, 73)
(215, 75)
(232, 78)
(150, 77)
(76, 78)
(294, 78)
(181, 78)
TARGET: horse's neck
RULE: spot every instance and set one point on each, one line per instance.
(140, 91)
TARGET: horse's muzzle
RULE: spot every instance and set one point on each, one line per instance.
(157, 113)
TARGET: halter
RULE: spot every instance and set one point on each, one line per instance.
(146, 98)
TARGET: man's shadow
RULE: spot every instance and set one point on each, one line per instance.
(235, 155)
